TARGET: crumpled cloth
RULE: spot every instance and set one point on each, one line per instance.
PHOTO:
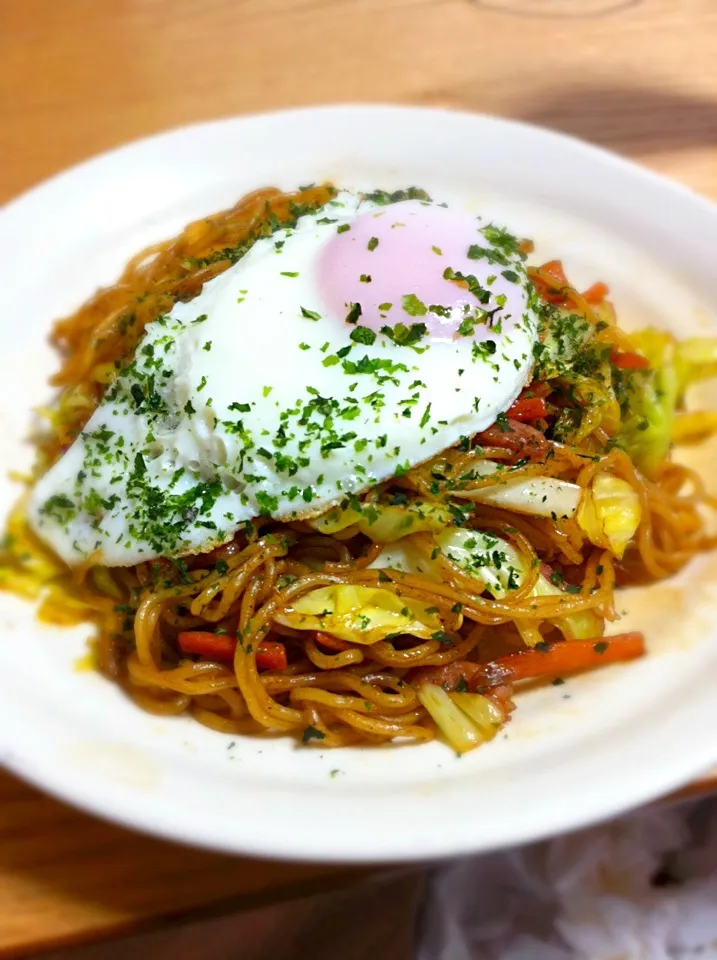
(640, 888)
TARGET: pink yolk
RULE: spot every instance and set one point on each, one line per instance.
(404, 249)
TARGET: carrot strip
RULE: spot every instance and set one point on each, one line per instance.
(554, 271)
(332, 643)
(629, 361)
(571, 656)
(596, 294)
(528, 408)
(213, 646)
(270, 654)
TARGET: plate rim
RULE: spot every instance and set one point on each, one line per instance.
(615, 159)
(123, 806)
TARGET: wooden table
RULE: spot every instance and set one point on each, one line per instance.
(82, 76)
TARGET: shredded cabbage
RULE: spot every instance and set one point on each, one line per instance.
(26, 565)
(407, 556)
(610, 513)
(485, 556)
(564, 335)
(486, 714)
(694, 426)
(383, 523)
(651, 398)
(649, 403)
(465, 719)
(583, 625)
(498, 565)
(568, 352)
(455, 725)
(361, 614)
(536, 496)
(104, 582)
(696, 359)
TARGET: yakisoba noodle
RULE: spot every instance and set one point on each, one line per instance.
(217, 635)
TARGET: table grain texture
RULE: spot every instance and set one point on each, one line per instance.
(82, 76)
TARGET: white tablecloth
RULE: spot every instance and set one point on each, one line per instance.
(641, 888)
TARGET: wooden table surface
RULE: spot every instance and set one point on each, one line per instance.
(82, 76)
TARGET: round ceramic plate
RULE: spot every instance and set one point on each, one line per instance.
(574, 753)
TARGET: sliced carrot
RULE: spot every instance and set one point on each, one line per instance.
(571, 656)
(537, 388)
(553, 270)
(596, 294)
(213, 646)
(550, 282)
(335, 644)
(547, 660)
(528, 408)
(270, 654)
(629, 361)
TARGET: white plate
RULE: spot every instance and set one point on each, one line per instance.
(574, 753)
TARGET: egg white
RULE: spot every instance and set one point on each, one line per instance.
(242, 403)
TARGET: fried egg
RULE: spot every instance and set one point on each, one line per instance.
(335, 354)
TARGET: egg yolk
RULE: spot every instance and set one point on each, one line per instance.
(399, 264)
